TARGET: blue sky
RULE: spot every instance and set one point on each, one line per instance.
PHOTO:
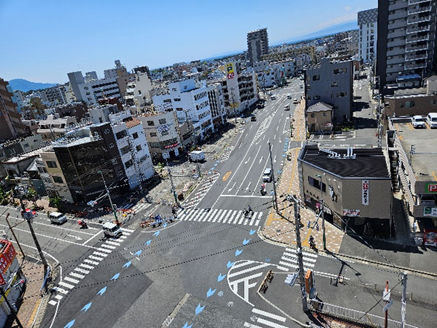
(44, 40)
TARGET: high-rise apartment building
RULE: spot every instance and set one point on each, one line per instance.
(368, 24)
(10, 120)
(257, 45)
(406, 42)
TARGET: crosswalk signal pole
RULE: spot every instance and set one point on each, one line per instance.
(299, 253)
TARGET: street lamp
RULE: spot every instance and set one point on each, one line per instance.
(323, 211)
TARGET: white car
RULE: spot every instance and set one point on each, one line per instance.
(289, 96)
(418, 122)
(57, 218)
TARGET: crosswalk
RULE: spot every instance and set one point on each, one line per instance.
(91, 262)
(137, 207)
(289, 261)
(201, 190)
(244, 275)
(219, 216)
(265, 319)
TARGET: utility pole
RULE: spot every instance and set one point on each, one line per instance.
(273, 180)
(386, 299)
(404, 299)
(110, 200)
(299, 252)
(173, 189)
(198, 170)
(15, 237)
(322, 208)
(14, 314)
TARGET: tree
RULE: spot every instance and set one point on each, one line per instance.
(55, 202)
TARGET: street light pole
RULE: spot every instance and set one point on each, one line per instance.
(110, 200)
(273, 179)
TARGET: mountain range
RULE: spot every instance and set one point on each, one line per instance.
(25, 85)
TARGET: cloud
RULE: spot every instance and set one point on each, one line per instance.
(348, 8)
(337, 20)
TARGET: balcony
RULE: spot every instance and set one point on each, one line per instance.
(416, 38)
(413, 2)
(414, 66)
(418, 19)
(411, 48)
(413, 56)
(420, 9)
(416, 29)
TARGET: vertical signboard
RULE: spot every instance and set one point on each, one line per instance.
(230, 71)
(365, 192)
(6, 258)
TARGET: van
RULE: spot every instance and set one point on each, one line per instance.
(111, 230)
(267, 175)
(418, 122)
(57, 218)
(431, 119)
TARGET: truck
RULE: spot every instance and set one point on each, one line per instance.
(196, 156)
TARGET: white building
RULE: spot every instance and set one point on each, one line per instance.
(96, 90)
(190, 101)
(217, 104)
(138, 91)
(367, 43)
(273, 74)
(132, 144)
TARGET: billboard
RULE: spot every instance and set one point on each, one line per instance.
(7, 256)
(431, 188)
(230, 71)
(352, 213)
(365, 192)
(429, 211)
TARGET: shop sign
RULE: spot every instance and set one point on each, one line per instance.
(431, 188)
(230, 71)
(430, 237)
(352, 213)
(365, 192)
(429, 211)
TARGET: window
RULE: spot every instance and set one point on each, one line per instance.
(57, 179)
(121, 134)
(138, 147)
(129, 163)
(316, 183)
(162, 121)
(150, 123)
(51, 164)
(336, 71)
(341, 94)
(312, 114)
(111, 145)
(124, 150)
(433, 102)
(316, 98)
(135, 135)
(177, 99)
(409, 104)
(164, 133)
(316, 77)
(153, 134)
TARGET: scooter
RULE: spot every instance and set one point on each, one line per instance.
(263, 189)
(83, 224)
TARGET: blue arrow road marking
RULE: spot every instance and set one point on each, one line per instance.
(164, 225)
(70, 324)
(186, 325)
(221, 277)
(210, 292)
(238, 252)
(102, 291)
(199, 308)
(229, 264)
(86, 307)
(127, 264)
(156, 233)
(138, 253)
(251, 232)
(148, 242)
(115, 277)
(246, 241)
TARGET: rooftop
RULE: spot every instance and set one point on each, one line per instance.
(319, 107)
(25, 156)
(424, 159)
(132, 123)
(368, 163)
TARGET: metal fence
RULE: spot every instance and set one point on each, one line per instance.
(354, 315)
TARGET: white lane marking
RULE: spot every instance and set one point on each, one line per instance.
(64, 284)
(247, 161)
(52, 302)
(219, 213)
(60, 290)
(261, 159)
(232, 186)
(227, 216)
(250, 325)
(112, 243)
(268, 315)
(250, 167)
(75, 237)
(104, 250)
(91, 238)
(269, 323)
(99, 254)
(82, 270)
(236, 215)
(74, 281)
(292, 250)
(207, 217)
(248, 270)
(108, 246)
(86, 266)
(59, 297)
(248, 186)
(77, 275)
(94, 258)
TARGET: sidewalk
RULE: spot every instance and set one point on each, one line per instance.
(283, 231)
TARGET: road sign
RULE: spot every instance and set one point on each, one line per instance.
(387, 306)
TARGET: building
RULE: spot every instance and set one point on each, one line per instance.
(91, 76)
(331, 83)
(367, 45)
(413, 161)
(53, 96)
(406, 42)
(10, 120)
(240, 90)
(12, 280)
(273, 74)
(217, 105)
(76, 109)
(190, 101)
(410, 104)
(138, 92)
(100, 114)
(14, 167)
(257, 45)
(132, 145)
(354, 186)
(120, 74)
(52, 127)
(92, 91)
(20, 145)
(319, 117)
(161, 130)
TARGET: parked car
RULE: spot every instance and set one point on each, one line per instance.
(253, 118)
(289, 96)
(295, 101)
(287, 107)
(431, 119)
(57, 218)
(418, 122)
(196, 156)
(273, 97)
(267, 175)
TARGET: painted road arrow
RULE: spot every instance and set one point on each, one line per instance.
(70, 324)
(246, 241)
(199, 309)
(102, 291)
(138, 253)
(187, 326)
(127, 264)
(210, 292)
(252, 232)
(238, 252)
(229, 264)
(220, 277)
(86, 307)
(148, 242)
(115, 277)
(156, 233)
(75, 237)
